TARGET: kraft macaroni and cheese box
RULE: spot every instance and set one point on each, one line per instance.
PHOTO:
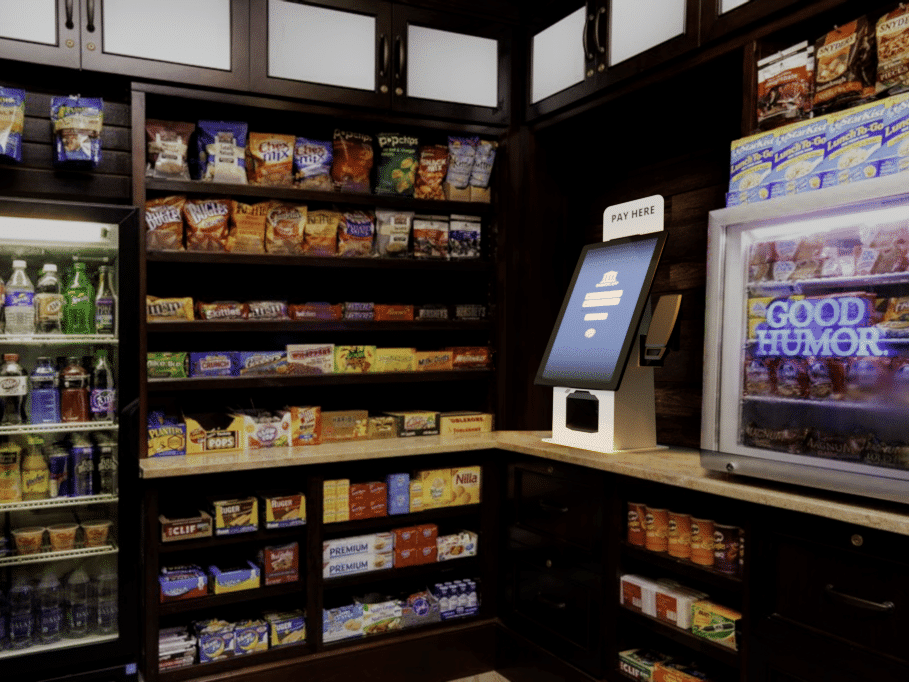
(852, 137)
(750, 161)
(893, 155)
(214, 364)
(797, 150)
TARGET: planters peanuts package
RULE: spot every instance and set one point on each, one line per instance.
(77, 123)
(12, 119)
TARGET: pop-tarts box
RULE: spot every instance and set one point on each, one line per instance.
(852, 137)
(797, 150)
(750, 161)
(214, 364)
(893, 155)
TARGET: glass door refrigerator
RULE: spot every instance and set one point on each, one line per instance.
(69, 525)
(807, 381)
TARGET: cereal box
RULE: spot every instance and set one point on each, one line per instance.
(465, 485)
(852, 137)
(355, 359)
(797, 150)
(893, 155)
(750, 161)
(305, 425)
(394, 360)
(311, 358)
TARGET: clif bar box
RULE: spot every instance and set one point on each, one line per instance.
(186, 527)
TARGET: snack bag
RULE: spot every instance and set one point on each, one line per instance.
(461, 154)
(431, 172)
(312, 164)
(77, 123)
(355, 234)
(222, 151)
(167, 145)
(845, 66)
(206, 224)
(285, 229)
(892, 33)
(393, 232)
(352, 163)
(269, 159)
(12, 120)
(397, 164)
(430, 237)
(164, 223)
(482, 164)
(247, 227)
(321, 234)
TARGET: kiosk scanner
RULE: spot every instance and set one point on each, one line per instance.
(605, 342)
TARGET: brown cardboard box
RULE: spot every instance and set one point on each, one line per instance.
(405, 538)
(344, 425)
(405, 556)
(280, 564)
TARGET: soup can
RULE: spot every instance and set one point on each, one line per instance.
(679, 535)
(726, 549)
(702, 542)
(636, 515)
(656, 529)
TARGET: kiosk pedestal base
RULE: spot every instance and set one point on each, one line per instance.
(607, 421)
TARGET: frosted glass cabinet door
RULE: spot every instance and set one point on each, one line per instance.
(449, 66)
(326, 50)
(202, 42)
(645, 33)
(40, 31)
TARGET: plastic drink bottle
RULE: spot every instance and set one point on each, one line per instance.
(35, 472)
(103, 399)
(74, 392)
(78, 314)
(44, 399)
(13, 389)
(19, 301)
(21, 623)
(77, 624)
(49, 611)
(48, 302)
(2, 301)
(105, 303)
(108, 609)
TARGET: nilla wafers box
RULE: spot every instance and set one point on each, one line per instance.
(449, 487)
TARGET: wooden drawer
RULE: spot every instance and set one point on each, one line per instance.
(558, 503)
(859, 596)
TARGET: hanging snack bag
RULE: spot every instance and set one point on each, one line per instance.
(77, 123)
(222, 151)
(784, 87)
(312, 164)
(269, 159)
(167, 145)
(12, 120)
(892, 33)
(321, 237)
(431, 172)
(482, 170)
(285, 229)
(247, 227)
(352, 162)
(164, 223)
(393, 232)
(397, 164)
(206, 224)
(430, 236)
(461, 154)
(355, 235)
(845, 66)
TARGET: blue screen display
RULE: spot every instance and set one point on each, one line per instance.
(599, 313)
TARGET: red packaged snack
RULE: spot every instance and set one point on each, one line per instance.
(387, 313)
(206, 224)
(792, 378)
(316, 311)
(471, 357)
(222, 310)
(431, 171)
(760, 376)
(826, 378)
(352, 162)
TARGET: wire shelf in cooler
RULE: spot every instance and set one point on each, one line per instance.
(66, 643)
(57, 339)
(45, 557)
(875, 406)
(857, 282)
(54, 502)
(22, 429)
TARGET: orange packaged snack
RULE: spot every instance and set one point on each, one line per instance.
(269, 159)
(164, 223)
(206, 224)
(285, 229)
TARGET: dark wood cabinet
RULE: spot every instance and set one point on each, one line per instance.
(720, 18)
(43, 33)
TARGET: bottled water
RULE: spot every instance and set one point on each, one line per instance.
(21, 623)
(19, 303)
(77, 624)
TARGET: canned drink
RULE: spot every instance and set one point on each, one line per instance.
(83, 468)
(58, 466)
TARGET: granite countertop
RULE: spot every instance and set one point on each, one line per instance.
(673, 466)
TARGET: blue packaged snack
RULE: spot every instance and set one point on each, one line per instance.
(461, 154)
(482, 163)
(312, 164)
(214, 364)
(12, 119)
(222, 151)
(77, 123)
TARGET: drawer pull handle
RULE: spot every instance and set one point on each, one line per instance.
(552, 507)
(550, 603)
(849, 600)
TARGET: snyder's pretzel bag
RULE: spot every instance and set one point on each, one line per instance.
(206, 224)
(845, 66)
(247, 227)
(12, 120)
(77, 123)
(397, 164)
(312, 164)
(352, 163)
(269, 159)
(892, 34)
(167, 145)
(285, 229)
(222, 151)
(164, 223)
(355, 234)
(431, 171)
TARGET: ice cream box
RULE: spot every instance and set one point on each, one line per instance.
(639, 664)
(234, 579)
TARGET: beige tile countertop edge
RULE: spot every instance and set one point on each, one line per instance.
(673, 466)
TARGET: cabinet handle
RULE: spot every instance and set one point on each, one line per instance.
(849, 600)
(90, 10)
(596, 30)
(588, 55)
(383, 49)
(399, 68)
(552, 508)
(550, 603)
(69, 14)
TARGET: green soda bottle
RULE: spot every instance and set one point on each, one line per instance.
(78, 304)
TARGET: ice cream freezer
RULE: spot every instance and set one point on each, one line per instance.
(806, 376)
